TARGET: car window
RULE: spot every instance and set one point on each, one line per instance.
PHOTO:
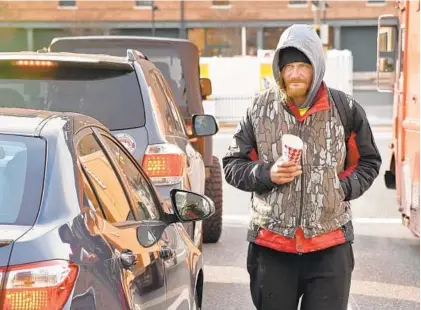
(104, 180)
(166, 58)
(164, 114)
(92, 201)
(137, 184)
(171, 104)
(22, 166)
(109, 95)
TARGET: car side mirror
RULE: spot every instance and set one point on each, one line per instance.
(205, 87)
(204, 125)
(190, 206)
(386, 64)
(387, 52)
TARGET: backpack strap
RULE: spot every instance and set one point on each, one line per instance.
(344, 104)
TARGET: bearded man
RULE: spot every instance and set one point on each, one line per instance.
(300, 231)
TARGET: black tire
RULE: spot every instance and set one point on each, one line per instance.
(212, 227)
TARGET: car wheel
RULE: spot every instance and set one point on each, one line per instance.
(212, 227)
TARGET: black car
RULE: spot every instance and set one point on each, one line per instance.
(81, 225)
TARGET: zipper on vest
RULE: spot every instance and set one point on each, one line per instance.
(300, 217)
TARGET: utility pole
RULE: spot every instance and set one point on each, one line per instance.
(316, 15)
(182, 34)
(153, 9)
(318, 7)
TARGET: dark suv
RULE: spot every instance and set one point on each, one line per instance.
(129, 96)
(178, 60)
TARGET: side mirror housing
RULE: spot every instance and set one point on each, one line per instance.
(387, 52)
(204, 125)
(190, 207)
(205, 87)
(386, 65)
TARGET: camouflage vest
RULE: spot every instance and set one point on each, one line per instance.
(314, 200)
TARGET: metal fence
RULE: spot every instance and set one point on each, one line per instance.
(228, 108)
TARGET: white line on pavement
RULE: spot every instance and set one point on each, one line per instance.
(239, 275)
(377, 136)
(241, 218)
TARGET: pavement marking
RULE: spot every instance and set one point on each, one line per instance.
(244, 219)
(381, 135)
(239, 275)
(374, 220)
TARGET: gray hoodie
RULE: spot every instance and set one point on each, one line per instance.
(305, 39)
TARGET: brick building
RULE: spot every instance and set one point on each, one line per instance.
(224, 28)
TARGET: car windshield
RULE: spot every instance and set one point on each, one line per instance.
(167, 61)
(22, 161)
(111, 96)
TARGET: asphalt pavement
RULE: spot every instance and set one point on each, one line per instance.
(387, 267)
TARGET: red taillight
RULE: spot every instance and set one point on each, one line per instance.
(35, 63)
(38, 286)
(164, 164)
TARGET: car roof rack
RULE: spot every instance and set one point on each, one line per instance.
(131, 55)
(43, 50)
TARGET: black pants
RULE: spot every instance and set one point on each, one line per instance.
(278, 280)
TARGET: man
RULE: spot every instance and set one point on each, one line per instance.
(300, 232)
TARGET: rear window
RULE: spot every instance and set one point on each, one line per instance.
(166, 59)
(109, 95)
(22, 163)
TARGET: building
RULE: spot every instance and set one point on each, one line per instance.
(219, 28)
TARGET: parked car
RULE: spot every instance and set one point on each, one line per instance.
(178, 60)
(81, 225)
(129, 96)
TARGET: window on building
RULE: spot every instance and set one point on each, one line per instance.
(297, 2)
(252, 41)
(221, 42)
(143, 3)
(271, 37)
(376, 1)
(221, 2)
(67, 3)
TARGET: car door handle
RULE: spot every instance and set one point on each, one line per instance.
(166, 253)
(128, 259)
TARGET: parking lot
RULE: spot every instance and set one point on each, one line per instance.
(386, 274)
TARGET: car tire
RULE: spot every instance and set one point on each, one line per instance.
(212, 227)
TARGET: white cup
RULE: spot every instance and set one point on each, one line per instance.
(292, 147)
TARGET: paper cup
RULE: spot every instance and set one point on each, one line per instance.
(292, 147)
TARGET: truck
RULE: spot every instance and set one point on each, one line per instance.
(398, 59)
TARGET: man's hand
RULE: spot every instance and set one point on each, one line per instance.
(284, 172)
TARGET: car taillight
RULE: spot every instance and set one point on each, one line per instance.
(164, 164)
(38, 286)
(35, 63)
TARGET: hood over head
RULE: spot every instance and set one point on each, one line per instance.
(306, 40)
